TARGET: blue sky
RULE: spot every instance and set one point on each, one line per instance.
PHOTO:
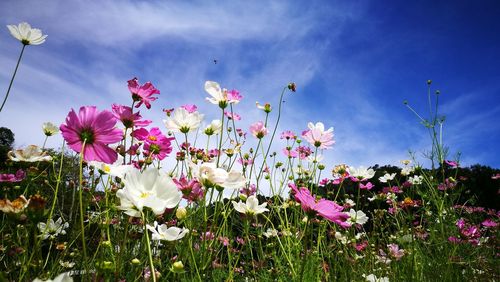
(354, 62)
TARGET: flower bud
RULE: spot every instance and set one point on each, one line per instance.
(181, 213)
(178, 267)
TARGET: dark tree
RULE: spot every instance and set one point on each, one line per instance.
(6, 142)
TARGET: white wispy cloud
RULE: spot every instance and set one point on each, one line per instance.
(94, 47)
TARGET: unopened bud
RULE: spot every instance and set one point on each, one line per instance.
(181, 213)
(178, 267)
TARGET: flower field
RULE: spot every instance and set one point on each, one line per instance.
(199, 200)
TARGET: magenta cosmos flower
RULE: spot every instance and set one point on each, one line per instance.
(318, 137)
(127, 117)
(142, 93)
(324, 208)
(156, 145)
(97, 129)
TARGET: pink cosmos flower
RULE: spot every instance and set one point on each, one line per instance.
(97, 129)
(156, 145)
(361, 246)
(213, 153)
(241, 133)
(168, 112)
(318, 137)
(332, 212)
(258, 130)
(248, 191)
(324, 182)
(289, 153)
(234, 96)
(454, 240)
(451, 164)
(245, 161)
(449, 183)
(288, 135)
(127, 117)
(395, 251)
(142, 93)
(234, 116)
(489, 223)
(8, 177)
(325, 208)
(192, 190)
(190, 108)
(367, 186)
(303, 152)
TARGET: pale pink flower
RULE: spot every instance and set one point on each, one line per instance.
(318, 137)
(233, 96)
(234, 116)
(290, 153)
(288, 135)
(190, 108)
(395, 251)
(258, 130)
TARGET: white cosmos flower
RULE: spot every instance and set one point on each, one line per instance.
(163, 232)
(314, 159)
(251, 207)
(27, 35)
(387, 177)
(63, 277)
(210, 175)
(357, 217)
(407, 170)
(32, 153)
(219, 96)
(373, 278)
(270, 232)
(117, 169)
(181, 120)
(53, 229)
(50, 129)
(214, 127)
(350, 202)
(152, 188)
(416, 179)
(361, 172)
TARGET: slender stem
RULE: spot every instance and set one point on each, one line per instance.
(80, 196)
(150, 256)
(274, 132)
(13, 76)
(220, 141)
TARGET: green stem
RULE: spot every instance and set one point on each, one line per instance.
(274, 132)
(80, 196)
(220, 141)
(13, 76)
(150, 255)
